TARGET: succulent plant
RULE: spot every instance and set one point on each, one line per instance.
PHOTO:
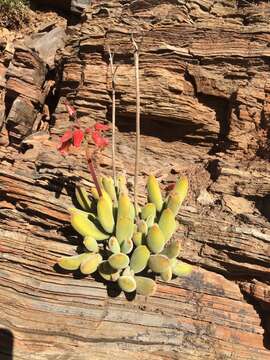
(127, 249)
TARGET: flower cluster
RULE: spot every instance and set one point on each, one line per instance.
(71, 137)
(75, 135)
(96, 133)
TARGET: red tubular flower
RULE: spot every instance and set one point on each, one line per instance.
(66, 141)
(67, 136)
(99, 140)
(78, 136)
(64, 147)
(101, 127)
(70, 137)
(71, 111)
(75, 136)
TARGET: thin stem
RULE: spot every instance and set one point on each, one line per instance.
(92, 171)
(137, 160)
(113, 71)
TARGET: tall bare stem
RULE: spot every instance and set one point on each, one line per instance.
(92, 171)
(138, 127)
(113, 72)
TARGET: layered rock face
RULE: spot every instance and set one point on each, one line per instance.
(204, 76)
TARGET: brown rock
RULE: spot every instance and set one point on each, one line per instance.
(238, 205)
(47, 44)
(20, 119)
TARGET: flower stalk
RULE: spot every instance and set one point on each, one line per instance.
(92, 171)
(138, 126)
(113, 74)
(75, 136)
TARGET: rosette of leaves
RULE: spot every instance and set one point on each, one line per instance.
(124, 248)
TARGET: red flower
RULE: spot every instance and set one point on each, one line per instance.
(101, 127)
(78, 136)
(70, 137)
(75, 136)
(64, 148)
(71, 111)
(97, 127)
(67, 136)
(99, 140)
(96, 133)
